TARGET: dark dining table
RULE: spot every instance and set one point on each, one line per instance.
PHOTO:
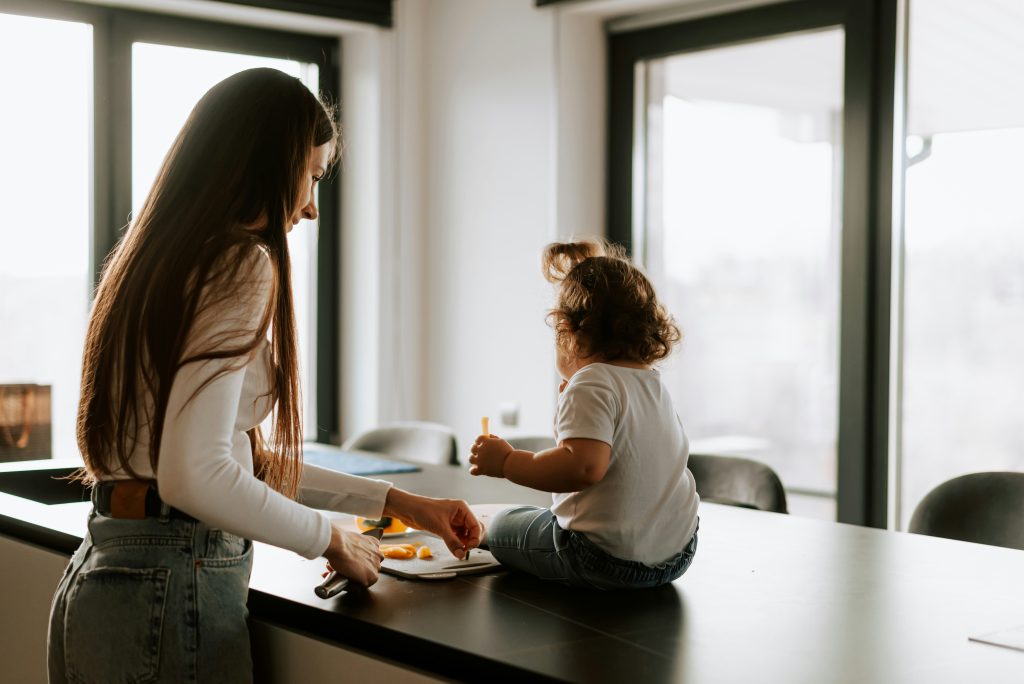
(769, 598)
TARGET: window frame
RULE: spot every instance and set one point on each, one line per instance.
(872, 121)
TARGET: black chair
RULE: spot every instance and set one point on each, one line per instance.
(737, 482)
(532, 443)
(410, 441)
(986, 508)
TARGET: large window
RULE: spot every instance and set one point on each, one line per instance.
(849, 271)
(44, 225)
(93, 97)
(753, 283)
(750, 172)
(963, 311)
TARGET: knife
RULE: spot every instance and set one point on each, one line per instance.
(336, 583)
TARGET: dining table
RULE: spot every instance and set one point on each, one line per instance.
(769, 598)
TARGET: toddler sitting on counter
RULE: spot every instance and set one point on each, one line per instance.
(624, 511)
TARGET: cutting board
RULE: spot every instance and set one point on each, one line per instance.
(442, 566)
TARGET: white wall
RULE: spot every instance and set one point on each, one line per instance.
(487, 87)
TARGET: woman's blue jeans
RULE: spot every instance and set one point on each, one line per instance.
(154, 600)
(530, 539)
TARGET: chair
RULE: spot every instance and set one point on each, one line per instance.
(532, 443)
(737, 482)
(410, 441)
(986, 508)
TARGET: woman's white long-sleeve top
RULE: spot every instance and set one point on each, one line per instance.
(205, 464)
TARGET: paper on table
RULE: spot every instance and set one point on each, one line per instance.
(1007, 638)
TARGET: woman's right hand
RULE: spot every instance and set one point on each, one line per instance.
(353, 555)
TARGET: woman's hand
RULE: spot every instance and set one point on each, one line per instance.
(353, 555)
(487, 456)
(449, 519)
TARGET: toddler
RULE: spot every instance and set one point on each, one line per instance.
(624, 512)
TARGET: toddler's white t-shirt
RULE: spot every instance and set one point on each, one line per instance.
(645, 507)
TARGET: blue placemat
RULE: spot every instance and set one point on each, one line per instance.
(353, 463)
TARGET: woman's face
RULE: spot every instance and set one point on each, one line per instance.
(306, 203)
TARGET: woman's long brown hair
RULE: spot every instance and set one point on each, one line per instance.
(226, 191)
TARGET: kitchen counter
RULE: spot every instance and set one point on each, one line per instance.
(769, 598)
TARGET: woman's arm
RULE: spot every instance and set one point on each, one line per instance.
(450, 519)
(573, 465)
(331, 490)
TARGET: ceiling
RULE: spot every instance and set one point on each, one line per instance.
(963, 59)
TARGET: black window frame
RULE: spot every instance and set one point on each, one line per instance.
(871, 121)
(114, 32)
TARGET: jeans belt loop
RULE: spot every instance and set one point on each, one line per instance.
(165, 512)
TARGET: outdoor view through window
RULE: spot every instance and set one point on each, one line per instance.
(963, 352)
(45, 279)
(742, 237)
(45, 186)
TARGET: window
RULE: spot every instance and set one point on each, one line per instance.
(92, 123)
(742, 235)
(963, 305)
(45, 178)
(750, 171)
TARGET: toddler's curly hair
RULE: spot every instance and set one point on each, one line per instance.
(605, 305)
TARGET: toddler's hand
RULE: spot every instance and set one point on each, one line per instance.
(487, 456)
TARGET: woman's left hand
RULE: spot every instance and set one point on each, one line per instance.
(449, 519)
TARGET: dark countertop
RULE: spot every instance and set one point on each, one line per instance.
(769, 598)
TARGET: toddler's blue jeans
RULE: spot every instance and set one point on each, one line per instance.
(530, 539)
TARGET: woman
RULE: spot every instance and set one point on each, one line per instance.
(178, 374)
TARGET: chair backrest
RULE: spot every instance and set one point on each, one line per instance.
(411, 441)
(532, 443)
(987, 508)
(737, 482)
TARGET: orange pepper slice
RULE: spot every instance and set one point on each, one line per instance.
(395, 527)
(396, 551)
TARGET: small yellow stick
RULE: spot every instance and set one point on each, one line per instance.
(485, 430)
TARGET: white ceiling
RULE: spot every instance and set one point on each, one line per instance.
(799, 72)
(965, 67)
